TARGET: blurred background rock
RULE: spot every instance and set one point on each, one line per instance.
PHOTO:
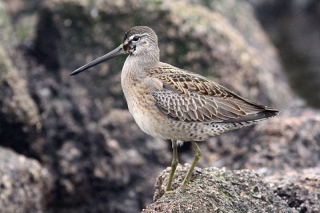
(72, 145)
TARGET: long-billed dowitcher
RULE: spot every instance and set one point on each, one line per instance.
(171, 103)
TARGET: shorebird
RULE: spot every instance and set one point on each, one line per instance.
(171, 103)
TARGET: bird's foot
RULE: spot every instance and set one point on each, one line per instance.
(184, 183)
(170, 192)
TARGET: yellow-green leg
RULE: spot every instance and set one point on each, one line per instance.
(174, 164)
(194, 162)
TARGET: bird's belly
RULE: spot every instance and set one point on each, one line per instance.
(148, 117)
(154, 122)
(150, 125)
(157, 124)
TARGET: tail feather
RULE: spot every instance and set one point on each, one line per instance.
(268, 113)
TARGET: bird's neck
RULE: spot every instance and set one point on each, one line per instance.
(136, 66)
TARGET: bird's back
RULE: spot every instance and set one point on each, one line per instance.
(187, 96)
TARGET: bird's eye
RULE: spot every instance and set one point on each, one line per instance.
(136, 38)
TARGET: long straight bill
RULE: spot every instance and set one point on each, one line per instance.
(118, 51)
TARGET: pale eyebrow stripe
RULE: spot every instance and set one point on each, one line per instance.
(141, 35)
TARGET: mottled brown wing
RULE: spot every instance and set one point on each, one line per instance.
(191, 97)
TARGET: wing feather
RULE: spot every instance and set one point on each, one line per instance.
(190, 97)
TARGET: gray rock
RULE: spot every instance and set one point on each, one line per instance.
(19, 116)
(299, 188)
(293, 27)
(24, 183)
(217, 190)
(289, 141)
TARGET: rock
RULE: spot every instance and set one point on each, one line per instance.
(293, 27)
(220, 190)
(289, 141)
(19, 116)
(299, 188)
(216, 190)
(24, 183)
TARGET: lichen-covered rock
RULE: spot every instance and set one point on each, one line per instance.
(16, 105)
(216, 190)
(299, 188)
(19, 116)
(289, 141)
(293, 27)
(24, 183)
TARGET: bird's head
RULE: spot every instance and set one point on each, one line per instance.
(137, 41)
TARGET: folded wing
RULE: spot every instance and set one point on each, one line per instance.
(190, 97)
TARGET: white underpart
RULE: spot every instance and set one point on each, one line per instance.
(179, 143)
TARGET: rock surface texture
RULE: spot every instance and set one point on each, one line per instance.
(293, 27)
(24, 183)
(217, 190)
(75, 147)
